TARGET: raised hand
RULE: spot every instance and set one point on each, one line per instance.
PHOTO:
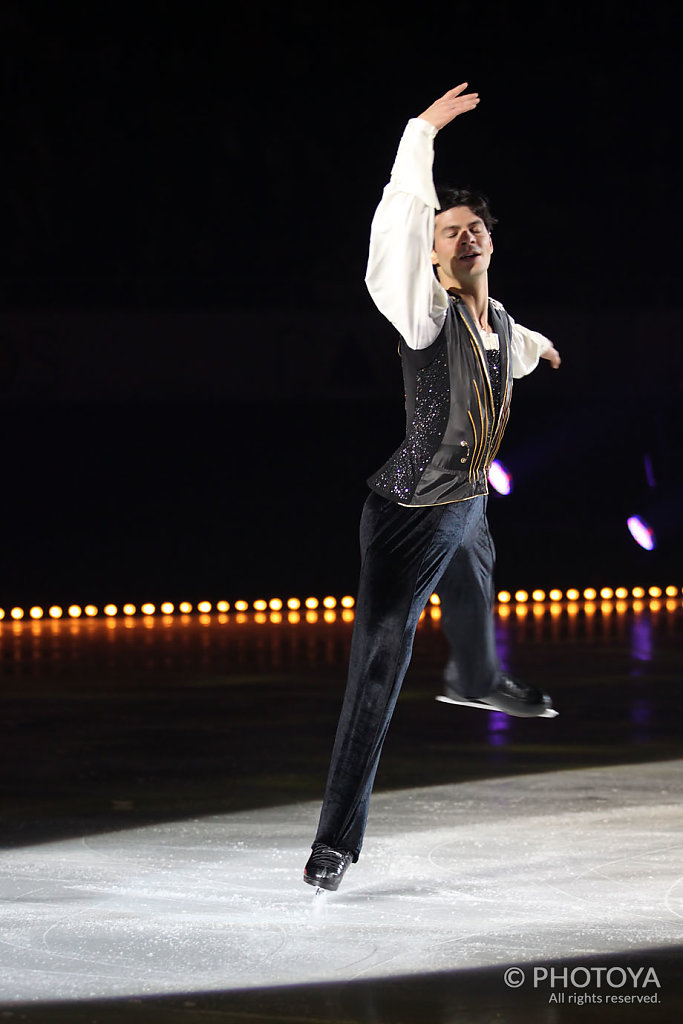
(448, 106)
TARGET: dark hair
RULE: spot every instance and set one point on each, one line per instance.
(478, 203)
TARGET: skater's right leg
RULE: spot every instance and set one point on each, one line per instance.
(404, 551)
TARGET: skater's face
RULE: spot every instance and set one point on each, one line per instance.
(462, 246)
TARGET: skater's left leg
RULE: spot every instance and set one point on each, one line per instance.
(466, 594)
(473, 671)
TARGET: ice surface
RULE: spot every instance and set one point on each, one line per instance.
(504, 870)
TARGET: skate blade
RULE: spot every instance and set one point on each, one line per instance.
(548, 713)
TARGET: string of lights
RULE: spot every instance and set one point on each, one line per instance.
(624, 596)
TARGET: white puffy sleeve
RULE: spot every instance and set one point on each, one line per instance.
(400, 276)
(527, 348)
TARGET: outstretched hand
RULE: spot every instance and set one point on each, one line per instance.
(452, 103)
(553, 356)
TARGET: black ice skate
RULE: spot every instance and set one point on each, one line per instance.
(326, 866)
(508, 695)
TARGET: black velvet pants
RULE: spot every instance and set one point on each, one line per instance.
(406, 555)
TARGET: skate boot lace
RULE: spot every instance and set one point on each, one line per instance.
(327, 856)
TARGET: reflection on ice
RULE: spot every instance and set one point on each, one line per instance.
(641, 638)
(498, 728)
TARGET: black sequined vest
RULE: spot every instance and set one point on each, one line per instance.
(454, 424)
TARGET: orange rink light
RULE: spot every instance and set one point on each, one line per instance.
(592, 599)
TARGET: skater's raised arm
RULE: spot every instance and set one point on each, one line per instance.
(400, 275)
(447, 107)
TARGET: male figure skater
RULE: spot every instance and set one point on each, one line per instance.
(424, 524)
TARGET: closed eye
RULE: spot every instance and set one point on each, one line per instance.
(477, 228)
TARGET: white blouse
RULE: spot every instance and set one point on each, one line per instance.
(400, 276)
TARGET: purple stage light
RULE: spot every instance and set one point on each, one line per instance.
(499, 477)
(641, 532)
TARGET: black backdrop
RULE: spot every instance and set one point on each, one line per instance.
(207, 158)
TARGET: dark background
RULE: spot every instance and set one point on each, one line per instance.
(194, 381)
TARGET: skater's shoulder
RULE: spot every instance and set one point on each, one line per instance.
(502, 312)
